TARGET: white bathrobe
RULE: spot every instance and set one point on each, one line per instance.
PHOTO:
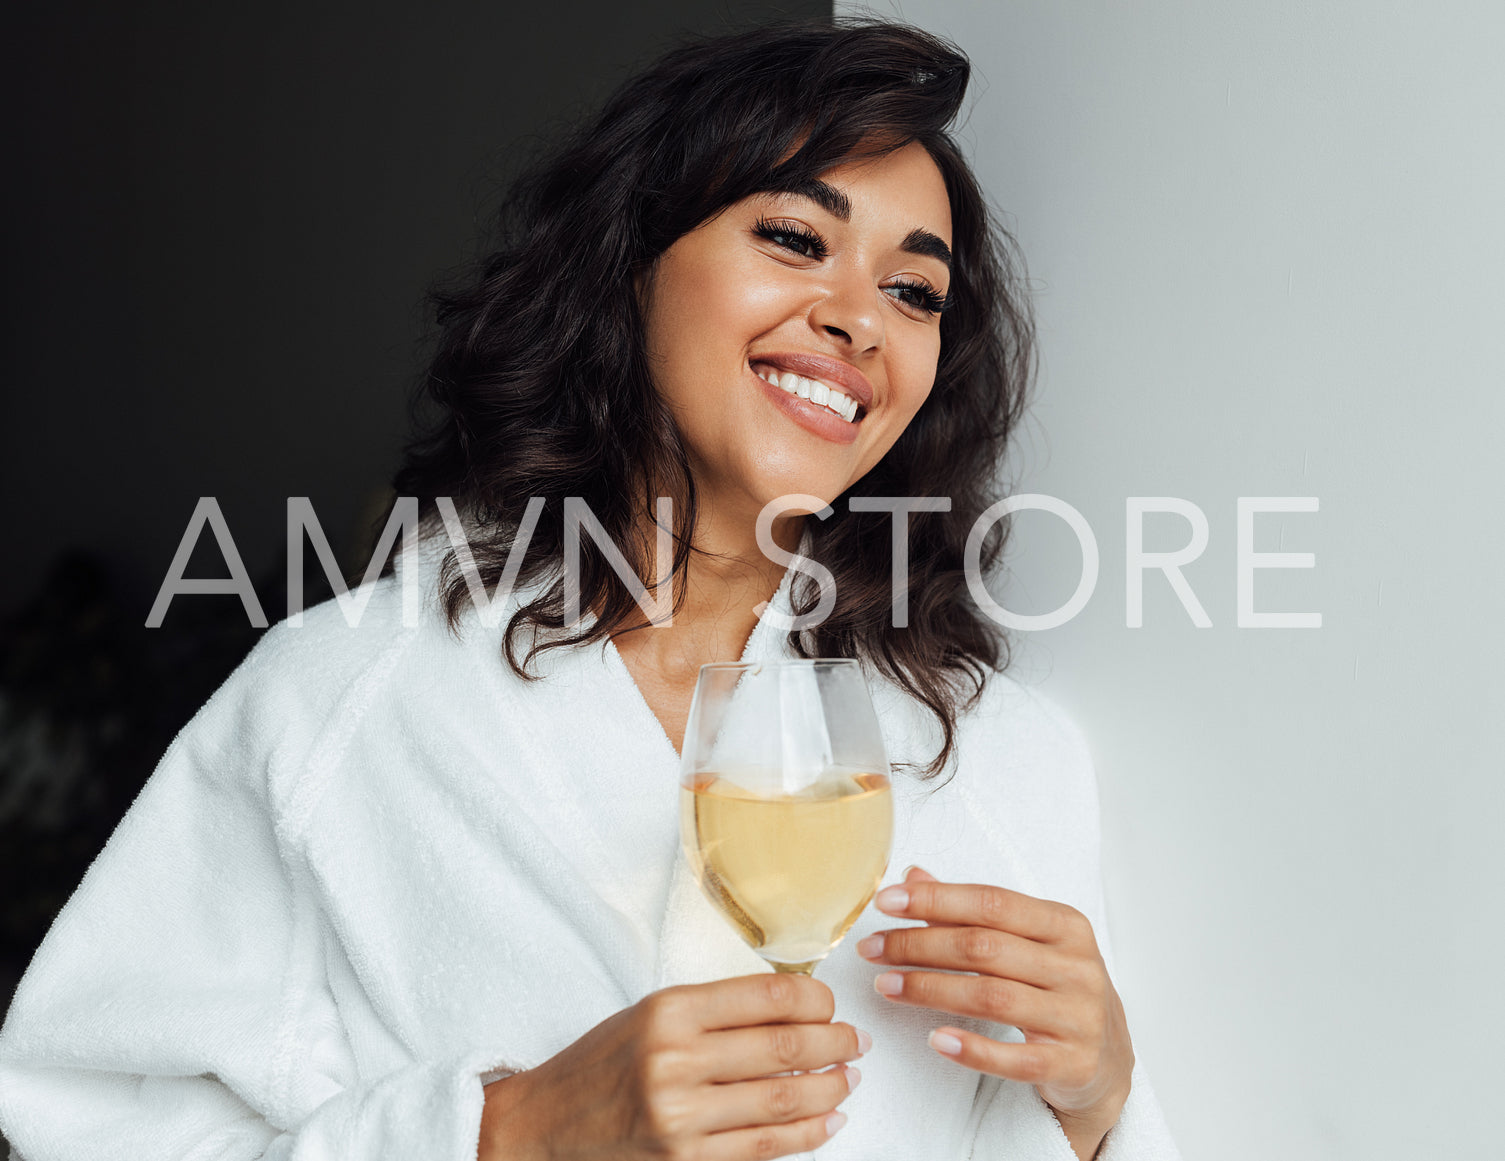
(377, 869)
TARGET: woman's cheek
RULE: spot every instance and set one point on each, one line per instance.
(919, 379)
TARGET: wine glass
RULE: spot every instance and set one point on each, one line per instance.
(786, 811)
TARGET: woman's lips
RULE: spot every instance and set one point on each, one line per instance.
(833, 372)
(813, 417)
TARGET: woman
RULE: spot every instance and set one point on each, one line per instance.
(412, 888)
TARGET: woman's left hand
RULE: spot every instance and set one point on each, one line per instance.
(1037, 968)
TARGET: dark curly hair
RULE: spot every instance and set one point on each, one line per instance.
(542, 387)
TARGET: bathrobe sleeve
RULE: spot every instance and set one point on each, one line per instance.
(179, 1007)
(1053, 823)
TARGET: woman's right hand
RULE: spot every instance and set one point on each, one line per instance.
(685, 1074)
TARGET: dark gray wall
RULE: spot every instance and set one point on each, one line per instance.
(219, 232)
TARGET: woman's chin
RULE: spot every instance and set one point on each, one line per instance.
(787, 500)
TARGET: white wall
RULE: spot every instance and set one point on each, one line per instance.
(1269, 245)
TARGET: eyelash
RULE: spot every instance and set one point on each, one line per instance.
(928, 300)
(773, 231)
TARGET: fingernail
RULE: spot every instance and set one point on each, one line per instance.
(834, 1122)
(889, 983)
(945, 1042)
(854, 1077)
(870, 947)
(864, 1042)
(893, 899)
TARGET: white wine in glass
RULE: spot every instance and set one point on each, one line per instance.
(786, 812)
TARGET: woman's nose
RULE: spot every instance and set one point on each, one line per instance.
(848, 312)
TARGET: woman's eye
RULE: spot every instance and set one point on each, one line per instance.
(919, 296)
(801, 242)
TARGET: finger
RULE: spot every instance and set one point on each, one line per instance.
(743, 1053)
(742, 1001)
(765, 1141)
(920, 875)
(970, 949)
(777, 1100)
(987, 997)
(1032, 1063)
(980, 905)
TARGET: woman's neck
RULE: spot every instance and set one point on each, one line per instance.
(725, 583)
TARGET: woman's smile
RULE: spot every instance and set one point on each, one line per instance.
(823, 395)
(814, 417)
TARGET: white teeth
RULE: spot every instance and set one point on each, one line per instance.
(815, 391)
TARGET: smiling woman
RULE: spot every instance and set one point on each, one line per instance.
(785, 200)
(418, 891)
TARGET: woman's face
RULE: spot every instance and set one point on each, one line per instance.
(830, 289)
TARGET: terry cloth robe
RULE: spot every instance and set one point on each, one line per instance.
(377, 870)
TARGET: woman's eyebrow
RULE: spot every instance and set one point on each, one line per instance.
(823, 194)
(927, 245)
(918, 241)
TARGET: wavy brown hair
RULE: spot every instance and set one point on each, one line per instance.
(539, 385)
